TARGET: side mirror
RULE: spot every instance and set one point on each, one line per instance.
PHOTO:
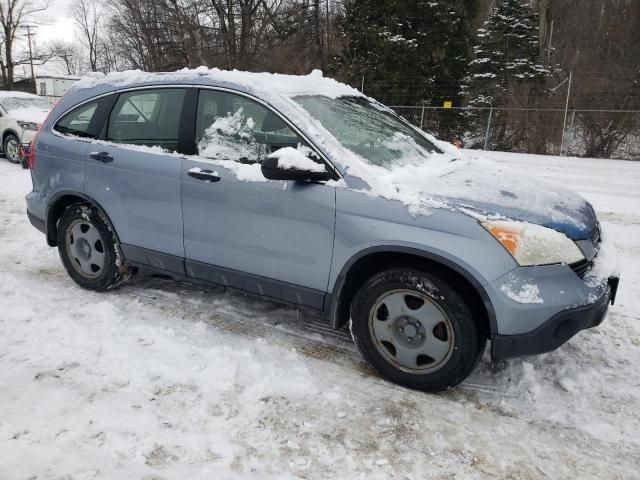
(290, 164)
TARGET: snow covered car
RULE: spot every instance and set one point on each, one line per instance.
(303, 190)
(20, 117)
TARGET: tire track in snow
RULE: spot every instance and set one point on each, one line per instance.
(287, 328)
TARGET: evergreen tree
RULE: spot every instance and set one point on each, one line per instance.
(508, 70)
(410, 52)
(507, 53)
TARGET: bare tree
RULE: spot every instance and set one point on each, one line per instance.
(243, 25)
(13, 15)
(69, 54)
(87, 15)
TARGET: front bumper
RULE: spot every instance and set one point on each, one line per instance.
(556, 330)
(27, 136)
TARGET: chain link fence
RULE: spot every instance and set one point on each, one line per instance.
(582, 133)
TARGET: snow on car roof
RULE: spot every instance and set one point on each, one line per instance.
(289, 85)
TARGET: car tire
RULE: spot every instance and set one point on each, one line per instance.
(416, 329)
(89, 249)
(10, 147)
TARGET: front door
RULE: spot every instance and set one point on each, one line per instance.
(135, 175)
(271, 237)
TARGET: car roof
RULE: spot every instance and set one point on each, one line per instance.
(261, 85)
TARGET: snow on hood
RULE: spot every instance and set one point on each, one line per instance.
(29, 114)
(484, 190)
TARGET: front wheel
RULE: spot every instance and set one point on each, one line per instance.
(415, 329)
(11, 148)
(89, 249)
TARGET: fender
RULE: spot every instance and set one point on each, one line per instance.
(50, 223)
(332, 300)
(7, 132)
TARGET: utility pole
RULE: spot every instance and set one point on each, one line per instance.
(33, 74)
(566, 111)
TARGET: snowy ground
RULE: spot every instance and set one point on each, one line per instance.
(159, 380)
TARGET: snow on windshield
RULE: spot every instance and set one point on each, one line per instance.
(375, 134)
(399, 162)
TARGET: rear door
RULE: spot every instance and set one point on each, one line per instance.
(133, 171)
(271, 237)
(62, 150)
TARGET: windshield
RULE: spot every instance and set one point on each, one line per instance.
(14, 103)
(376, 135)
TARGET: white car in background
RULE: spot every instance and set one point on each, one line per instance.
(20, 117)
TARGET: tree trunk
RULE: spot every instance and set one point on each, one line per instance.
(231, 35)
(8, 55)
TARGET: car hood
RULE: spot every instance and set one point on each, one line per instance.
(484, 189)
(29, 114)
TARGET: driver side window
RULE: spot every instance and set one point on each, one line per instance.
(233, 127)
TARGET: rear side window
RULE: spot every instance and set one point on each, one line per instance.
(147, 117)
(84, 121)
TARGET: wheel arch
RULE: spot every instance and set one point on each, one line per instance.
(60, 203)
(374, 259)
(6, 133)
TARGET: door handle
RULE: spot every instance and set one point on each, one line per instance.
(103, 157)
(205, 175)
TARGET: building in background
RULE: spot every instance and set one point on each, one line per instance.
(54, 86)
(50, 86)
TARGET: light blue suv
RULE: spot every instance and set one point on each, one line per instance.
(302, 190)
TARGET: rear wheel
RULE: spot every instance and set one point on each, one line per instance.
(415, 329)
(88, 249)
(11, 146)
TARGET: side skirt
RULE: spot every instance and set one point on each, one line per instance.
(204, 272)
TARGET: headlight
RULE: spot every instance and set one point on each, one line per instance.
(29, 125)
(532, 244)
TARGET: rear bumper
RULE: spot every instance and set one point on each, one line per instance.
(556, 330)
(37, 222)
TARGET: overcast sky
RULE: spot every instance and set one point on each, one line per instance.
(58, 24)
(53, 24)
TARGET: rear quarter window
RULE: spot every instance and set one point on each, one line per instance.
(85, 121)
